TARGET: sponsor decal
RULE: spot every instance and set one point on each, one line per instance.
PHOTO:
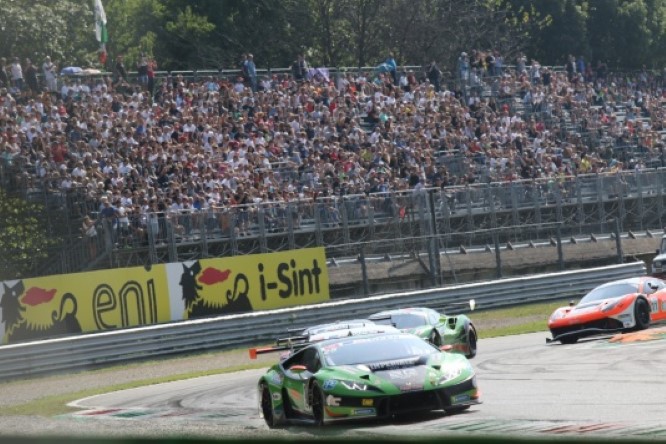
(276, 378)
(367, 402)
(404, 373)
(362, 412)
(276, 396)
(333, 401)
(460, 398)
(410, 386)
(57, 305)
(329, 384)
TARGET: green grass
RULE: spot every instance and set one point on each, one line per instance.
(490, 323)
(516, 320)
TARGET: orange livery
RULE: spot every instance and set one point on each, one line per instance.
(618, 306)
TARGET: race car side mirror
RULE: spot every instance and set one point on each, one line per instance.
(571, 303)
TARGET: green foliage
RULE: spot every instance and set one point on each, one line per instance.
(211, 34)
(24, 239)
(63, 29)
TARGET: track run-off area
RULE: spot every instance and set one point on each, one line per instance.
(611, 386)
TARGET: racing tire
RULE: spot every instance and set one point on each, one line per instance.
(642, 314)
(435, 339)
(471, 342)
(569, 339)
(317, 403)
(456, 409)
(267, 406)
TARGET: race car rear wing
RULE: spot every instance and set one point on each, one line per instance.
(282, 344)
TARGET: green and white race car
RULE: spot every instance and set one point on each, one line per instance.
(365, 376)
(458, 332)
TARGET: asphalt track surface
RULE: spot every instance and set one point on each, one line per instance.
(596, 388)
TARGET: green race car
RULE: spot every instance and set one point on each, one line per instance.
(376, 375)
(458, 332)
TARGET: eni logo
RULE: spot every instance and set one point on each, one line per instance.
(132, 298)
(291, 280)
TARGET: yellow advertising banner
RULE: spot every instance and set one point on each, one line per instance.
(209, 287)
(58, 305)
(83, 302)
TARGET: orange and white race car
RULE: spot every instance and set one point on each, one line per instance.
(617, 306)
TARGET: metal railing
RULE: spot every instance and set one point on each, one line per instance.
(383, 223)
(227, 332)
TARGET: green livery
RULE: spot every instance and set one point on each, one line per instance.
(376, 375)
(458, 332)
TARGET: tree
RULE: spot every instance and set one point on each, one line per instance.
(62, 29)
(24, 238)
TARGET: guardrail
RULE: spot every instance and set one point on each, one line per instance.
(54, 355)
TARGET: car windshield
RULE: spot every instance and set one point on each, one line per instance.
(375, 349)
(403, 320)
(610, 291)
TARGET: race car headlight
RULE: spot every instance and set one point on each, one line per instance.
(351, 385)
(557, 315)
(454, 370)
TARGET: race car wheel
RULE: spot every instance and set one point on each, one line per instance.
(457, 409)
(267, 406)
(435, 338)
(569, 339)
(317, 403)
(471, 342)
(642, 314)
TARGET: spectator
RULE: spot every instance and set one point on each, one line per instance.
(142, 69)
(392, 67)
(31, 77)
(299, 68)
(435, 75)
(50, 76)
(120, 71)
(89, 232)
(463, 68)
(4, 77)
(250, 72)
(17, 74)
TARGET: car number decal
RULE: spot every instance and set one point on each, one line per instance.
(329, 384)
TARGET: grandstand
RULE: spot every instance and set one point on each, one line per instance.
(205, 167)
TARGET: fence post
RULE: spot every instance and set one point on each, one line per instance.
(560, 254)
(498, 255)
(434, 250)
(364, 272)
(618, 242)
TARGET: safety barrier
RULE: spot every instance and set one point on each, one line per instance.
(226, 332)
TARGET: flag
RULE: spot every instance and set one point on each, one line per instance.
(100, 29)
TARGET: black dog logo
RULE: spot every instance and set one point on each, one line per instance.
(231, 301)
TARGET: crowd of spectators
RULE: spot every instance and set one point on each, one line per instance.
(239, 141)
